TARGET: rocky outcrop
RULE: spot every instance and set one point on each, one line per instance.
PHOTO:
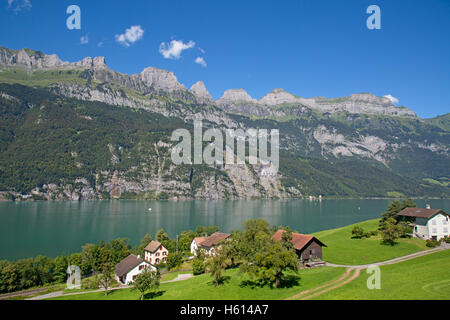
(234, 96)
(201, 93)
(365, 103)
(160, 79)
(279, 96)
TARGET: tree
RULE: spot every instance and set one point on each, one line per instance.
(217, 263)
(174, 259)
(146, 281)
(185, 240)
(198, 265)
(286, 239)
(61, 264)
(163, 238)
(140, 250)
(270, 263)
(253, 238)
(394, 208)
(107, 276)
(391, 231)
(358, 232)
(89, 257)
(120, 249)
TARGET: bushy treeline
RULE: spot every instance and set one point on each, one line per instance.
(92, 260)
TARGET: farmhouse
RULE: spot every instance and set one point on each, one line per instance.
(208, 243)
(129, 268)
(308, 248)
(155, 253)
(427, 223)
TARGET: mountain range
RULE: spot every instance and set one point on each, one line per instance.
(77, 131)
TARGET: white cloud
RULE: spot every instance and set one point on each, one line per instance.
(201, 62)
(19, 5)
(174, 49)
(131, 35)
(201, 50)
(84, 39)
(394, 100)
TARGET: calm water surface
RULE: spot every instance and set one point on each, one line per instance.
(53, 228)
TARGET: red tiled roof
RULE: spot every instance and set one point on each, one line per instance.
(214, 239)
(199, 240)
(420, 212)
(299, 241)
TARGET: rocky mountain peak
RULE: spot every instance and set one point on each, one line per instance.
(202, 94)
(370, 98)
(235, 95)
(92, 63)
(277, 97)
(160, 79)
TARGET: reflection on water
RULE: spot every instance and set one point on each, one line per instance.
(52, 228)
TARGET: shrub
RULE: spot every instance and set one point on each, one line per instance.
(198, 266)
(174, 260)
(358, 232)
(432, 243)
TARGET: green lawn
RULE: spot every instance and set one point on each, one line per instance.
(202, 288)
(424, 278)
(342, 249)
(173, 275)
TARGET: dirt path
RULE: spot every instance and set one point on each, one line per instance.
(348, 277)
(312, 290)
(25, 293)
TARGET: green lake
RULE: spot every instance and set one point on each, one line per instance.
(28, 229)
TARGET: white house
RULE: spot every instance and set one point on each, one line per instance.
(428, 223)
(129, 268)
(208, 244)
(156, 253)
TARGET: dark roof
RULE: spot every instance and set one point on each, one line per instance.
(420, 212)
(299, 241)
(153, 246)
(127, 264)
(214, 239)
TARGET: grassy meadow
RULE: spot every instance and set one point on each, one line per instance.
(424, 278)
(342, 249)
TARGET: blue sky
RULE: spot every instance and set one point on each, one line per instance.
(309, 48)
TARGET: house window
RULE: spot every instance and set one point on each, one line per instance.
(164, 260)
(164, 253)
(445, 230)
(141, 267)
(415, 228)
(134, 278)
(157, 254)
(157, 261)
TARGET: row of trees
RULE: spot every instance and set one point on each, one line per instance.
(96, 260)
